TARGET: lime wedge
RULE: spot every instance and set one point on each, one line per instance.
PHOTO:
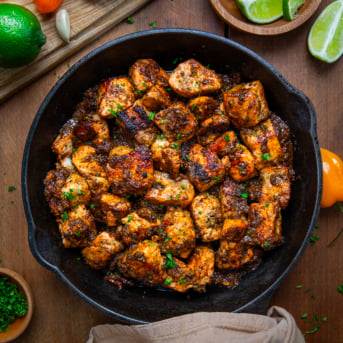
(261, 11)
(290, 7)
(325, 40)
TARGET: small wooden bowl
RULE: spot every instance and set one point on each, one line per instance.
(230, 13)
(20, 324)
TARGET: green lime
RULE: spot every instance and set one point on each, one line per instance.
(261, 11)
(290, 7)
(325, 40)
(21, 36)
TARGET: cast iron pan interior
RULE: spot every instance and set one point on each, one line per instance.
(140, 305)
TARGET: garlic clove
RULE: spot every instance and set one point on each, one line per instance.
(63, 24)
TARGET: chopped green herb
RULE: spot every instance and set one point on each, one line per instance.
(77, 233)
(299, 286)
(153, 24)
(129, 20)
(152, 115)
(314, 239)
(315, 329)
(64, 216)
(170, 197)
(266, 157)
(183, 187)
(163, 121)
(227, 138)
(182, 281)
(216, 178)
(244, 195)
(151, 244)
(69, 195)
(11, 188)
(114, 137)
(178, 135)
(91, 205)
(112, 112)
(167, 239)
(266, 244)
(17, 251)
(304, 316)
(167, 281)
(170, 262)
(187, 158)
(340, 288)
(203, 46)
(129, 219)
(194, 107)
(174, 145)
(313, 297)
(13, 303)
(200, 212)
(325, 319)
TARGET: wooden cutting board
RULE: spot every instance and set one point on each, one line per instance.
(88, 18)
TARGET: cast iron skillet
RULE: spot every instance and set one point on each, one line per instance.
(141, 305)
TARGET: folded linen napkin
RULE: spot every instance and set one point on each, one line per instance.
(278, 326)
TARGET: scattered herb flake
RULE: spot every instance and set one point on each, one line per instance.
(304, 316)
(340, 288)
(299, 286)
(11, 188)
(153, 24)
(315, 329)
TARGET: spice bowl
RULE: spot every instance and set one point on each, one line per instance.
(21, 323)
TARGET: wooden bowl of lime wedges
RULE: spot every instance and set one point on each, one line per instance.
(265, 17)
(16, 306)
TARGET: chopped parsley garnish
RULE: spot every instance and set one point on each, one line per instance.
(227, 138)
(299, 286)
(176, 60)
(69, 195)
(315, 329)
(340, 288)
(129, 219)
(167, 239)
(183, 187)
(178, 135)
(152, 115)
(153, 24)
(314, 239)
(11, 188)
(167, 281)
(244, 195)
(13, 303)
(187, 158)
(266, 157)
(129, 20)
(170, 262)
(114, 113)
(174, 145)
(77, 233)
(64, 216)
(304, 316)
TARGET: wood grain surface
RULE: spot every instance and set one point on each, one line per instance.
(60, 316)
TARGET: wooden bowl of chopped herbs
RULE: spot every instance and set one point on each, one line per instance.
(16, 305)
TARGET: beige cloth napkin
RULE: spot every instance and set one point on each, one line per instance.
(278, 326)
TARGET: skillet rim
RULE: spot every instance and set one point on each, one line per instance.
(257, 303)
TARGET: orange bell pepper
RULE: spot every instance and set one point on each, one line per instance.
(332, 178)
(47, 6)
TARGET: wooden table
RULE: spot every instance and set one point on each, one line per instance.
(59, 315)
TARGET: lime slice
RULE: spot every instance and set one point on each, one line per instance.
(325, 40)
(261, 11)
(290, 7)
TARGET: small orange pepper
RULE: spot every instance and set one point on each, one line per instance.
(47, 6)
(332, 178)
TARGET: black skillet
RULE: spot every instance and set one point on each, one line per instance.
(141, 305)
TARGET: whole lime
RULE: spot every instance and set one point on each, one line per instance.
(21, 36)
